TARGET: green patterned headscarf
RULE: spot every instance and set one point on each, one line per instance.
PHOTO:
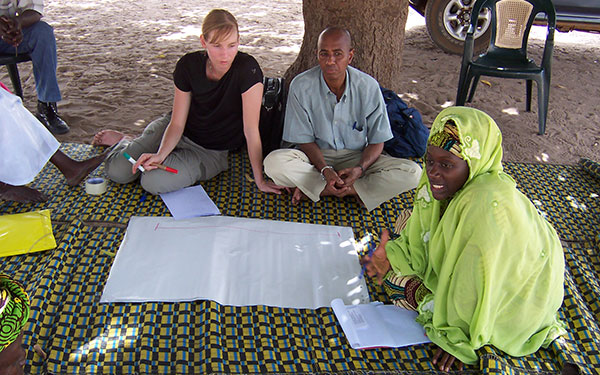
(14, 310)
(494, 265)
(479, 139)
(447, 139)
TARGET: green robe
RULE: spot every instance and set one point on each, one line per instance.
(494, 265)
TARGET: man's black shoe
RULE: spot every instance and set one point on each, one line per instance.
(48, 115)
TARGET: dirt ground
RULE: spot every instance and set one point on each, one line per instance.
(116, 60)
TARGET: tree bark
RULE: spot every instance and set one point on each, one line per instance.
(377, 30)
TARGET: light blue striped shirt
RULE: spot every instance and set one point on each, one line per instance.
(10, 7)
(313, 113)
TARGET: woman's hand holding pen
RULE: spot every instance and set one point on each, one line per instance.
(377, 264)
(148, 161)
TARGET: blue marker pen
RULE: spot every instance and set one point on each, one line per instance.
(363, 269)
(371, 249)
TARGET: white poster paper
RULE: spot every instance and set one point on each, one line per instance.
(235, 261)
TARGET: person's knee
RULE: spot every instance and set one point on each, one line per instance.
(40, 30)
(118, 171)
(416, 171)
(159, 182)
(412, 174)
(157, 127)
(277, 161)
(272, 162)
(151, 185)
(404, 171)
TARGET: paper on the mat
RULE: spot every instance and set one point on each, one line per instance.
(377, 325)
(235, 261)
(190, 202)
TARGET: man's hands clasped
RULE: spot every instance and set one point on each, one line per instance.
(341, 183)
(10, 31)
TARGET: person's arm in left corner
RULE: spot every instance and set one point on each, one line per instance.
(369, 156)
(251, 100)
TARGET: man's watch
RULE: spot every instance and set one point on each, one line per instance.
(362, 170)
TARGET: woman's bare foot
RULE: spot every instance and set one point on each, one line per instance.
(108, 137)
(298, 196)
(21, 194)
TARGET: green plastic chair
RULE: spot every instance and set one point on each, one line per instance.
(506, 55)
(11, 61)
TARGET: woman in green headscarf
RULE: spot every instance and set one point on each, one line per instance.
(476, 259)
(14, 312)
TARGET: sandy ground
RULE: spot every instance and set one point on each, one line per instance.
(116, 59)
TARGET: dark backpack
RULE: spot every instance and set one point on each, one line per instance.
(272, 114)
(410, 135)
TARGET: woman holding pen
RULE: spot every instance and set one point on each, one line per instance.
(218, 93)
(477, 260)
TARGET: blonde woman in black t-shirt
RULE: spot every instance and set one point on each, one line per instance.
(218, 93)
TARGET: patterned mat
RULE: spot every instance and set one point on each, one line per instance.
(82, 336)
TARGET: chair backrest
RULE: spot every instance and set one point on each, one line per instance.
(512, 20)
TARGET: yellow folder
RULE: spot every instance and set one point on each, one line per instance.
(26, 233)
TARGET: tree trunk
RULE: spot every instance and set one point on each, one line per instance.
(377, 30)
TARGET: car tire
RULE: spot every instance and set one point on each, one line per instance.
(448, 21)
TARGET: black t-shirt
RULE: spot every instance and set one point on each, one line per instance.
(215, 117)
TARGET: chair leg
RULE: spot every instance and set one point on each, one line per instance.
(461, 82)
(473, 87)
(463, 86)
(528, 96)
(543, 96)
(13, 73)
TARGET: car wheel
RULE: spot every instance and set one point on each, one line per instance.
(448, 22)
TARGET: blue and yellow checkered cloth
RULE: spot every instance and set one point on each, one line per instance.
(82, 336)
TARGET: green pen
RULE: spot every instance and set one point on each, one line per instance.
(133, 161)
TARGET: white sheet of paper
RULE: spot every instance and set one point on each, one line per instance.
(235, 261)
(190, 202)
(377, 325)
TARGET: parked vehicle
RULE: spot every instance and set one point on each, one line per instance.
(448, 20)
